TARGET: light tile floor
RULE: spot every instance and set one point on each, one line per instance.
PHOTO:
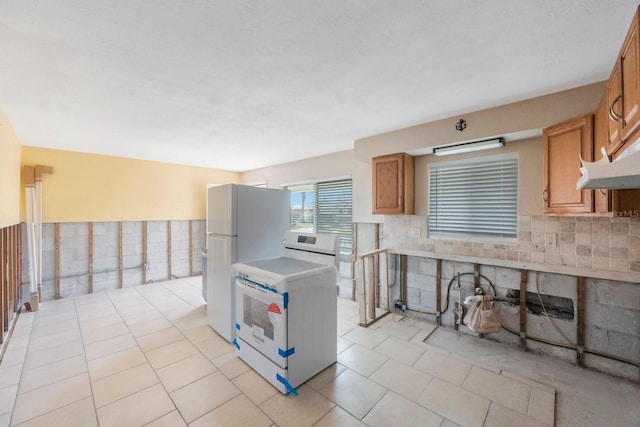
(146, 356)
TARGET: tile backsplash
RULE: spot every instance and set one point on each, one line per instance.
(595, 243)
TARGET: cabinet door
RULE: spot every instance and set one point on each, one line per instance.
(563, 145)
(629, 69)
(613, 94)
(602, 198)
(393, 184)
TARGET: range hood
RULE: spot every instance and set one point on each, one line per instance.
(623, 172)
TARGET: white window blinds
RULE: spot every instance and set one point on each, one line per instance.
(474, 199)
(323, 207)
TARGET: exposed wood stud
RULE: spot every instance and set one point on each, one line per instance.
(439, 291)
(169, 249)
(523, 309)
(57, 261)
(376, 267)
(20, 265)
(191, 247)
(354, 253)
(362, 297)
(120, 256)
(580, 320)
(144, 252)
(90, 258)
(371, 285)
(3, 284)
(403, 279)
(476, 276)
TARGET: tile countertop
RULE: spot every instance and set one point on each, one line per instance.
(621, 276)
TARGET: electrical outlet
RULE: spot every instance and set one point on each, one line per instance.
(550, 239)
(415, 232)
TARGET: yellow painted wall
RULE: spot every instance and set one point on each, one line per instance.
(91, 187)
(9, 174)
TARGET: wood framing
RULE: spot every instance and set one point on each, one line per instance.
(439, 291)
(120, 256)
(168, 249)
(580, 321)
(56, 278)
(523, 309)
(144, 252)
(90, 281)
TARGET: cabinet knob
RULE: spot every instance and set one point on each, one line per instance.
(545, 195)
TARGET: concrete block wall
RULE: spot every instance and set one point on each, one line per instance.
(74, 255)
(612, 310)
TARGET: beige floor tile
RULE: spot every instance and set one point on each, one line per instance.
(54, 396)
(172, 419)
(542, 406)
(231, 365)
(238, 412)
(149, 327)
(214, 347)
(402, 379)
(10, 375)
(78, 414)
(14, 357)
(454, 403)
(109, 346)
(138, 409)
(47, 330)
(395, 410)
(87, 326)
(499, 416)
(171, 353)
(344, 326)
(159, 339)
(498, 388)
(5, 419)
(193, 319)
(144, 316)
(297, 411)
(18, 342)
(398, 328)
(35, 359)
(366, 337)
(124, 383)
(443, 366)
(200, 333)
(329, 374)
(449, 423)
(116, 362)
(52, 373)
(532, 383)
(338, 417)
(400, 350)
(342, 344)
(361, 359)
(104, 333)
(353, 393)
(185, 372)
(8, 398)
(54, 340)
(198, 398)
(254, 386)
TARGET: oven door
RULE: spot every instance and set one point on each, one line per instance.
(261, 320)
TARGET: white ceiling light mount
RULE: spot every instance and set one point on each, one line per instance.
(468, 147)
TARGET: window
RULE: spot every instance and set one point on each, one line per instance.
(323, 207)
(474, 198)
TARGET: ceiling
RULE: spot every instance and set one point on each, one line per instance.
(244, 84)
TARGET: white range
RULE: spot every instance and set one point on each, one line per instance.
(286, 312)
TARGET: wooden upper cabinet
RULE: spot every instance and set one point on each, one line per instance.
(602, 198)
(623, 92)
(563, 145)
(393, 184)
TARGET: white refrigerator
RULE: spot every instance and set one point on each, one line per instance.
(243, 223)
